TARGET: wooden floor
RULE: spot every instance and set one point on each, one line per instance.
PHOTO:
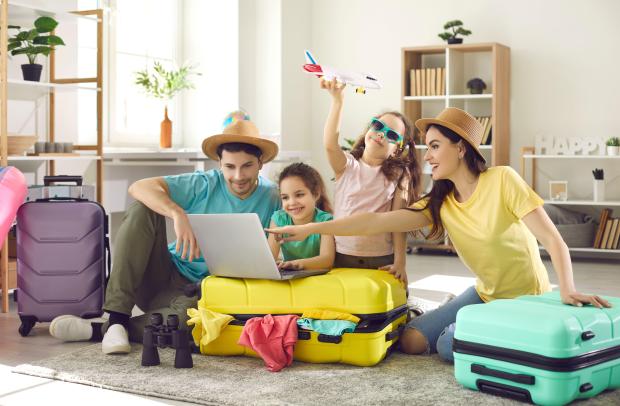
(430, 276)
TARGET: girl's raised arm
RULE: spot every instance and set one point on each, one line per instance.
(335, 155)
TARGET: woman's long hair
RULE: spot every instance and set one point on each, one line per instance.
(442, 187)
(313, 181)
(402, 167)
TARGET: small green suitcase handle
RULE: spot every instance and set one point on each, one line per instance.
(518, 378)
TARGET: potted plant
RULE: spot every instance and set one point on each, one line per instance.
(613, 146)
(476, 86)
(451, 37)
(31, 43)
(165, 84)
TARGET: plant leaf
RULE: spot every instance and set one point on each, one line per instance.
(45, 24)
(13, 46)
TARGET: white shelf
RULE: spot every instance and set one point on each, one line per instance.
(593, 250)
(471, 96)
(582, 203)
(423, 98)
(53, 158)
(27, 90)
(486, 147)
(571, 156)
(20, 13)
(452, 96)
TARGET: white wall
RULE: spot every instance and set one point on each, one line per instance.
(564, 56)
(217, 90)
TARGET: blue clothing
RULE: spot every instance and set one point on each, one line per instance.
(327, 327)
(203, 192)
(437, 326)
(308, 248)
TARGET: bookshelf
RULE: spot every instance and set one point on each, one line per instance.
(15, 89)
(457, 64)
(529, 164)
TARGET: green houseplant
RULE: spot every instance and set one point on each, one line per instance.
(165, 84)
(31, 43)
(457, 29)
(613, 146)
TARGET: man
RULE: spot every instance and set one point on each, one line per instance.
(151, 274)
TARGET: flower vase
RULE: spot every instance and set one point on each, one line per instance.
(165, 135)
(599, 190)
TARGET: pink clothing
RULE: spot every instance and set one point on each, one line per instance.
(361, 189)
(271, 337)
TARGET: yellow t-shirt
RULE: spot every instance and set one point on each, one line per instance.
(490, 238)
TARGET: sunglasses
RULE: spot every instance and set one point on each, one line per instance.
(392, 136)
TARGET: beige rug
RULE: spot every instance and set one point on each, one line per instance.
(401, 379)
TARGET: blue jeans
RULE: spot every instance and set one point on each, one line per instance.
(437, 326)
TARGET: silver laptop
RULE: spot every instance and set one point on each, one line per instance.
(235, 245)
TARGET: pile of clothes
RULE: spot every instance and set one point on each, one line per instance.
(271, 337)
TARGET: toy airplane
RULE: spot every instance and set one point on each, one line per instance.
(361, 81)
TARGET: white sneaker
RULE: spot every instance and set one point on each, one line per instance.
(73, 328)
(115, 340)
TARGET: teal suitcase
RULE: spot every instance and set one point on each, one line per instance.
(537, 349)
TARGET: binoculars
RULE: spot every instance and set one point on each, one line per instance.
(167, 335)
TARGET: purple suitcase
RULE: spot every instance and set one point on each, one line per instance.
(61, 260)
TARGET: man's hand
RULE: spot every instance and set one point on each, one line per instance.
(185, 237)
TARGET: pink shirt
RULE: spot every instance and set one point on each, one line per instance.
(271, 337)
(361, 189)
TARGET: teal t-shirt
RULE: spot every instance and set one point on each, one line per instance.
(308, 248)
(203, 192)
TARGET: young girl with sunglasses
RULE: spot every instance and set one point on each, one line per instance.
(381, 173)
(303, 201)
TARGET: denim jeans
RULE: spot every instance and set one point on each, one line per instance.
(437, 326)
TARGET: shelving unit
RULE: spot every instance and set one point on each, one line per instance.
(528, 155)
(18, 89)
(489, 61)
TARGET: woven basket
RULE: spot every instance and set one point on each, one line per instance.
(19, 144)
(578, 235)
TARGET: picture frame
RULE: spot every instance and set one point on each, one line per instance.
(558, 190)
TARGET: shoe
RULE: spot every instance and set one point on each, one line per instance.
(115, 340)
(73, 328)
(419, 306)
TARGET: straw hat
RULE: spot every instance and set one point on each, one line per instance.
(243, 131)
(459, 121)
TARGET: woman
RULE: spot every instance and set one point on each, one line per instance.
(492, 217)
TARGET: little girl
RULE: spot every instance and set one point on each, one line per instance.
(303, 201)
(380, 174)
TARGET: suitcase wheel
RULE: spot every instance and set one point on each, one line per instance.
(27, 323)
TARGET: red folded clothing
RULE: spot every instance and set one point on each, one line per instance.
(273, 338)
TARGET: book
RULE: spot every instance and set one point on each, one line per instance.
(423, 78)
(418, 82)
(616, 242)
(438, 81)
(608, 224)
(443, 80)
(432, 82)
(412, 91)
(612, 234)
(601, 228)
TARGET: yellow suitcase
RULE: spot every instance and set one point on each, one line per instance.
(375, 296)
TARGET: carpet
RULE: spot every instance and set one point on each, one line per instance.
(400, 379)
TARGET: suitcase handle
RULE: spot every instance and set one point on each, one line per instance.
(506, 391)
(395, 334)
(324, 338)
(48, 180)
(518, 378)
(63, 198)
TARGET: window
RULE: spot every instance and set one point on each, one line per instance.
(141, 32)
